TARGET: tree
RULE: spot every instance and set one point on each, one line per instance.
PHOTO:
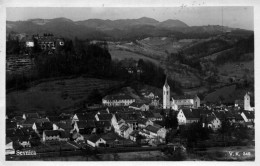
(95, 97)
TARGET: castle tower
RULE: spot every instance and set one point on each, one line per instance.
(247, 102)
(166, 95)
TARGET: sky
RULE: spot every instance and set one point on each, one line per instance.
(236, 17)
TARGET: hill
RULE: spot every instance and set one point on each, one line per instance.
(122, 29)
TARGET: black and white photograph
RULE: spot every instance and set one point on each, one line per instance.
(129, 83)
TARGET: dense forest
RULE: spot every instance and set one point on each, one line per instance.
(80, 57)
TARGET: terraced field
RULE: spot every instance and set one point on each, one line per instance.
(58, 94)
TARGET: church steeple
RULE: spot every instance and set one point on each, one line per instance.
(166, 95)
(166, 83)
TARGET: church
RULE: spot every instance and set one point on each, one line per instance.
(178, 102)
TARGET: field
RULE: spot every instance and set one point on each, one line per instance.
(237, 69)
(224, 93)
(57, 94)
(120, 55)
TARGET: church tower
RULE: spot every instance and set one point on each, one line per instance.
(166, 95)
(247, 102)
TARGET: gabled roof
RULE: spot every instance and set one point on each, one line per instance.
(249, 114)
(42, 120)
(118, 97)
(148, 114)
(104, 123)
(32, 115)
(65, 126)
(94, 138)
(191, 113)
(239, 102)
(126, 117)
(29, 122)
(142, 120)
(52, 132)
(64, 134)
(47, 126)
(157, 115)
(219, 114)
(103, 111)
(105, 116)
(8, 140)
(10, 125)
(82, 124)
(124, 127)
(91, 124)
(152, 129)
(116, 109)
(184, 97)
(137, 105)
(90, 116)
(54, 118)
(238, 117)
(134, 133)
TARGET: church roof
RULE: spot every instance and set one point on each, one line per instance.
(166, 83)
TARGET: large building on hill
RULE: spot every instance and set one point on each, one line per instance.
(48, 41)
(178, 102)
(117, 100)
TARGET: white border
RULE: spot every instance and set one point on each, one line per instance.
(119, 3)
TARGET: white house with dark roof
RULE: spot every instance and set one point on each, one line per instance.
(117, 100)
(139, 106)
(95, 141)
(9, 148)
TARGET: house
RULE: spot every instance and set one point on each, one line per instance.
(67, 127)
(51, 135)
(117, 100)
(156, 132)
(133, 135)
(139, 106)
(143, 122)
(148, 95)
(24, 141)
(213, 122)
(239, 103)
(129, 118)
(9, 148)
(31, 115)
(18, 119)
(125, 130)
(248, 116)
(102, 117)
(188, 116)
(83, 117)
(239, 119)
(40, 127)
(103, 126)
(157, 116)
(95, 141)
(27, 123)
(155, 102)
(64, 135)
(113, 140)
(80, 126)
(249, 124)
(11, 125)
(185, 102)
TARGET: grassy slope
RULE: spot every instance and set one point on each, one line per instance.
(48, 96)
